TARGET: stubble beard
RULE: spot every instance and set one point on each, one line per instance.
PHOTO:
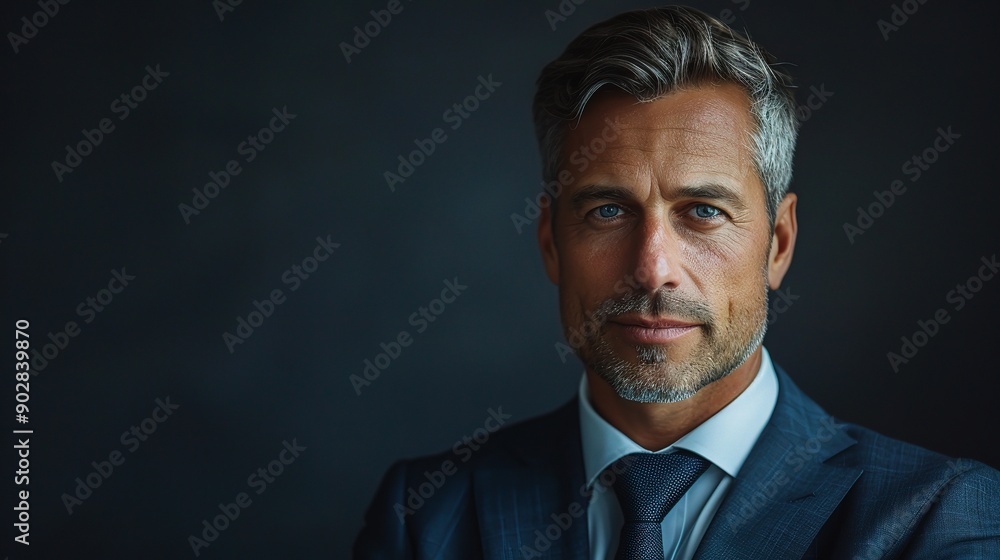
(655, 376)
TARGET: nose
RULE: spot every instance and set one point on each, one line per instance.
(658, 255)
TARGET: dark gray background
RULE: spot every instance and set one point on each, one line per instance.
(493, 347)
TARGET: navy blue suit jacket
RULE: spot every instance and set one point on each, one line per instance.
(810, 488)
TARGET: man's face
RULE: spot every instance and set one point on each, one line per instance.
(660, 244)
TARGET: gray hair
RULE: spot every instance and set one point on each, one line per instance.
(649, 53)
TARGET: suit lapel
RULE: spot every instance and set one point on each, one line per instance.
(526, 501)
(785, 491)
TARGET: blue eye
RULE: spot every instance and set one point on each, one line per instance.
(609, 211)
(706, 212)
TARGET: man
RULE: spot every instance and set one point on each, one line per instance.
(667, 142)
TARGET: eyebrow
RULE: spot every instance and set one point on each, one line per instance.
(592, 193)
(707, 191)
(713, 191)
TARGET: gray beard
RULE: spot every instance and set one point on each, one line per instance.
(653, 378)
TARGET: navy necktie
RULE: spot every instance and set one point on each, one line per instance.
(649, 486)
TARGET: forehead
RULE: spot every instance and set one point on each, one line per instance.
(697, 130)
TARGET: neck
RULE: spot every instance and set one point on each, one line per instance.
(655, 426)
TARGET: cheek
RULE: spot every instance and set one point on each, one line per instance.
(591, 270)
(727, 271)
(712, 266)
(728, 246)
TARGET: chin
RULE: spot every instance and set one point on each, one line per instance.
(650, 374)
(653, 390)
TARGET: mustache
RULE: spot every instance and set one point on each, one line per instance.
(662, 303)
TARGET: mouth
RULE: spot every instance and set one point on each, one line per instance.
(652, 330)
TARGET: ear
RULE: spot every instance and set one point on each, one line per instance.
(547, 243)
(782, 241)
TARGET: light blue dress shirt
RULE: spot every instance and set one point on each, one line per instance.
(725, 440)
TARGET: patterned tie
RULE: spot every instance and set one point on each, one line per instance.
(650, 485)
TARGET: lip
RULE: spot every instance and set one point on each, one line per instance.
(648, 330)
(650, 322)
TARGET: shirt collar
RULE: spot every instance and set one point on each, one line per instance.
(725, 439)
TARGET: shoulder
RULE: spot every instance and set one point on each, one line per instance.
(499, 442)
(880, 456)
(890, 463)
(420, 499)
(907, 499)
(910, 501)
